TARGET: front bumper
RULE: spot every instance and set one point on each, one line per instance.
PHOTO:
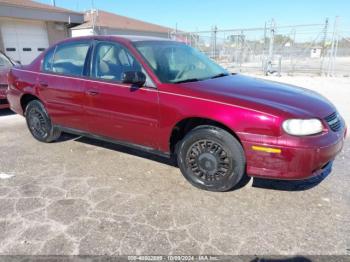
(299, 158)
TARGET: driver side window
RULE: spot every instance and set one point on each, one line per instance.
(111, 60)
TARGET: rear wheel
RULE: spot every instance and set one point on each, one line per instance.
(39, 123)
(212, 159)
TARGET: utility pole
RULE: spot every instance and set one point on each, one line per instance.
(93, 17)
(272, 38)
(292, 51)
(324, 41)
(332, 54)
(335, 51)
(263, 51)
(215, 31)
(53, 2)
(242, 45)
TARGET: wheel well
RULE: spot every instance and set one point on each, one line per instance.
(186, 125)
(25, 99)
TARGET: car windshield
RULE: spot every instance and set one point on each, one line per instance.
(175, 62)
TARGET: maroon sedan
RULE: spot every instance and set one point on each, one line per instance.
(5, 66)
(168, 98)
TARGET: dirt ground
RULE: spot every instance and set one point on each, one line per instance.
(81, 196)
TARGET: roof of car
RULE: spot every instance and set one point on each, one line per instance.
(136, 38)
(123, 38)
(131, 38)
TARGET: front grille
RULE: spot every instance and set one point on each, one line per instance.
(3, 102)
(334, 121)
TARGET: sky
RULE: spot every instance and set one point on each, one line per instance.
(194, 15)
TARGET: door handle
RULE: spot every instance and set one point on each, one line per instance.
(43, 84)
(92, 92)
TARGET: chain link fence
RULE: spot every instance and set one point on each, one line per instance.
(312, 49)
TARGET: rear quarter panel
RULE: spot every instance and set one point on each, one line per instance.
(22, 81)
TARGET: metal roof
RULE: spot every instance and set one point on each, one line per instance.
(35, 5)
(26, 9)
(110, 20)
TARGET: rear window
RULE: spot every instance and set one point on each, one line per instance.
(67, 59)
(4, 62)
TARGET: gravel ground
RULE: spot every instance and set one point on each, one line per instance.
(81, 196)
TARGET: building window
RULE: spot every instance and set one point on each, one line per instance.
(27, 49)
(10, 49)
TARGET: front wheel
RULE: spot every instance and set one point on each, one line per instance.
(210, 158)
(39, 123)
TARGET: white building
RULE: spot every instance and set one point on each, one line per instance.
(27, 28)
(316, 52)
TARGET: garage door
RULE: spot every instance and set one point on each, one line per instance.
(24, 40)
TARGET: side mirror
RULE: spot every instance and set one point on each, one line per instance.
(136, 78)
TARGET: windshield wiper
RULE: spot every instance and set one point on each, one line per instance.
(196, 79)
(219, 75)
(186, 80)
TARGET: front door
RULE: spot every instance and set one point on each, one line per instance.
(117, 110)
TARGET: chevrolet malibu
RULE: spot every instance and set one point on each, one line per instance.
(167, 98)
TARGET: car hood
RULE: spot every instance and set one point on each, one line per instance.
(264, 95)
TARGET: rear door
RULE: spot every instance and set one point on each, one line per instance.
(62, 85)
(118, 110)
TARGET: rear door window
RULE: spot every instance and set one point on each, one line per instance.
(69, 59)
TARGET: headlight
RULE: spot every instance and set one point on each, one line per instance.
(302, 127)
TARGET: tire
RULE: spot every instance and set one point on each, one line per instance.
(210, 158)
(39, 123)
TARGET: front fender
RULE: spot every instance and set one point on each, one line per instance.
(240, 120)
